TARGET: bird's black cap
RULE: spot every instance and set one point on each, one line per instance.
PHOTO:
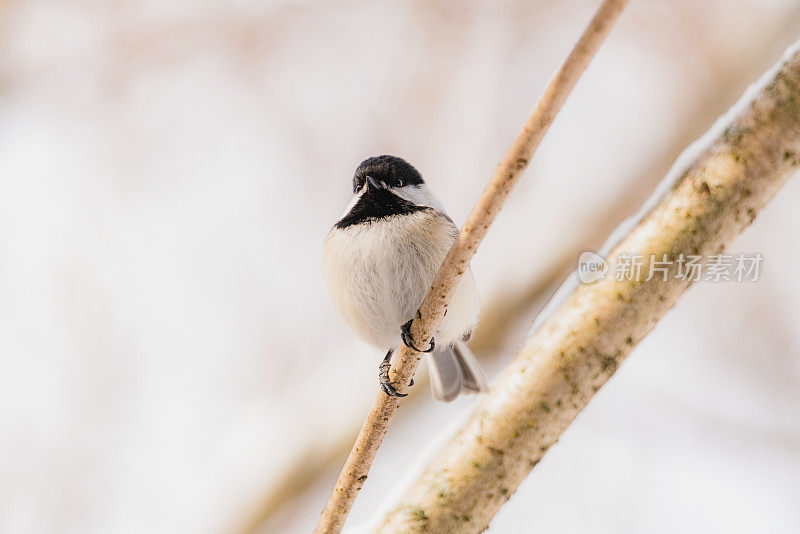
(391, 170)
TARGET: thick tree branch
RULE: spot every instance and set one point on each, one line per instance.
(756, 148)
(433, 308)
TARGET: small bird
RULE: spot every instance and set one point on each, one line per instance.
(380, 259)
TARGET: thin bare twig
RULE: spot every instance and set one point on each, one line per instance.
(506, 315)
(430, 314)
(583, 343)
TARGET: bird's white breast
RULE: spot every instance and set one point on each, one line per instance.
(377, 274)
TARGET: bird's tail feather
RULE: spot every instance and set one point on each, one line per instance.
(454, 370)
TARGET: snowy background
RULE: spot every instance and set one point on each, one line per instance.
(169, 170)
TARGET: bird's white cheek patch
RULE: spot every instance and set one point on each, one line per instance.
(352, 202)
(420, 195)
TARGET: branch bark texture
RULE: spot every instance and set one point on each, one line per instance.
(582, 344)
(354, 473)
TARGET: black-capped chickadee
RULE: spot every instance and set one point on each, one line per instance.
(380, 259)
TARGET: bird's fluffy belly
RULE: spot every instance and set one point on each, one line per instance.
(378, 273)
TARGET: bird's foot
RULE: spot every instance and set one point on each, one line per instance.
(383, 377)
(408, 340)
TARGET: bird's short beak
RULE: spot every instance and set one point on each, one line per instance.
(373, 184)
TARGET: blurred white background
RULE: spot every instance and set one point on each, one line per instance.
(168, 172)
